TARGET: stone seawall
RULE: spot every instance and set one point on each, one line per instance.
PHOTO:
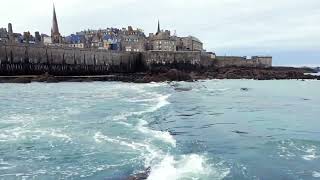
(35, 60)
(183, 60)
(237, 61)
(31, 59)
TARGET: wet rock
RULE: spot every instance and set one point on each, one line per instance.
(240, 132)
(52, 80)
(244, 89)
(23, 80)
(176, 75)
(181, 89)
(141, 176)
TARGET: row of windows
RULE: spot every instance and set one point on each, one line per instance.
(132, 40)
(134, 50)
(166, 42)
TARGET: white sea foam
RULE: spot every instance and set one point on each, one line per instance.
(191, 166)
(316, 174)
(60, 135)
(20, 133)
(161, 135)
(99, 138)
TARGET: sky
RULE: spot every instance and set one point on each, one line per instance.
(288, 30)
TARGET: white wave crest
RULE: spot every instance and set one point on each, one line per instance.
(99, 138)
(316, 174)
(191, 166)
(161, 135)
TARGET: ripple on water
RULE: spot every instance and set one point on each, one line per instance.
(306, 150)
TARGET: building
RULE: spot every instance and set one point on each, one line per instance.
(4, 35)
(55, 34)
(190, 43)
(111, 42)
(162, 41)
(132, 40)
(75, 41)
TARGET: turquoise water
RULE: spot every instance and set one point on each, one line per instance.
(112, 130)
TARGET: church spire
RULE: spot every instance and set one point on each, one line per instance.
(158, 27)
(55, 27)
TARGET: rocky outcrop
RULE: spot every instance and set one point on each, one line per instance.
(170, 75)
(255, 73)
(165, 74)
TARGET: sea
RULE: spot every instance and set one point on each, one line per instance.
(205, 130)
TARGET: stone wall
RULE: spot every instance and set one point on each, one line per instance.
(185, 60)
(32, 59)
(237, 61)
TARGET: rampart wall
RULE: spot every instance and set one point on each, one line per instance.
(34, 60)
(237, 61)
(23, 59)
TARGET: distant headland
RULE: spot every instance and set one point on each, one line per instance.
(125, 54)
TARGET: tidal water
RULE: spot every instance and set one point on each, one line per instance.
(219, 129)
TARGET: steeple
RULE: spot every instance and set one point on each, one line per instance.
(55, 27)
(55, 34)
(158, 27)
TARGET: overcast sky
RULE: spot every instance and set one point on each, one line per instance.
(289, 30)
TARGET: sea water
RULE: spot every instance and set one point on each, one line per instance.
(220, 129)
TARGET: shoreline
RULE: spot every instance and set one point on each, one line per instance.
(167, 75)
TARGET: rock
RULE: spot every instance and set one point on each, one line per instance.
(20, 80)
(141, 176)
(182, 89)
(175, 75)
(244, 89)
(240, 132)
(52, 80)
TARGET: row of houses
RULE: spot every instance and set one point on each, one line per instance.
(133, 40)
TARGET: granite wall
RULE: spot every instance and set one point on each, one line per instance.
(32, 59)
(237, 61)
(184, 60)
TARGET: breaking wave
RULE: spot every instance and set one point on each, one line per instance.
(164, 163)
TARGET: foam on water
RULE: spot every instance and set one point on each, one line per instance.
(161, 135)
(316, 174)
(191, 166)
(21, 133)
(291, 149)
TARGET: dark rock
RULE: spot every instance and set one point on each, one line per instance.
(240, 132)
(52, 80)
(244, 89)
(20, 80)
(141, 176)
(182, 89)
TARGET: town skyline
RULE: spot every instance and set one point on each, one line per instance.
(289, 45)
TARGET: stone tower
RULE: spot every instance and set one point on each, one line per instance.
(10, 31)
(55, 34)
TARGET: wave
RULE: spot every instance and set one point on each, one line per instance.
(290, 149)
(191, 166)
(21, 133)
(165, 136)
(162, 160)
(316, 174)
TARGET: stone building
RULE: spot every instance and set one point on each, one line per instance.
(162, 41)
(3, 35)
(111, 42)
(189, 43)
(132, 40)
